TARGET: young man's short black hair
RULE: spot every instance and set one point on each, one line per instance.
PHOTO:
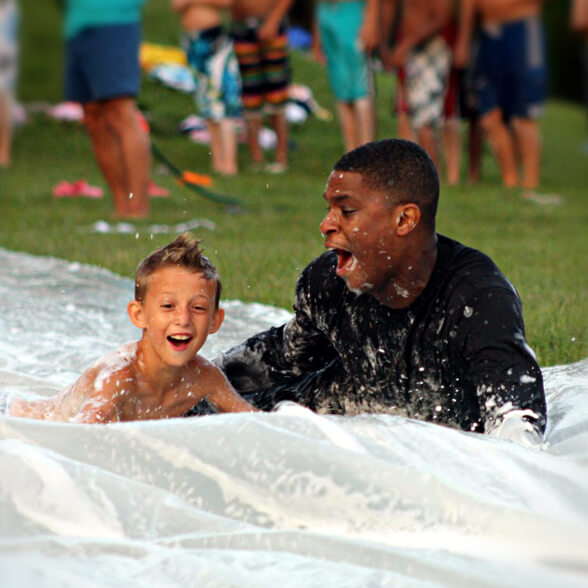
(400, 168)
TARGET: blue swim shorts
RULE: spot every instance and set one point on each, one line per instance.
(511, 72)
(102, 63)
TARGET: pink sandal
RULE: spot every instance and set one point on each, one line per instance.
(78, 188)
(155, 191)
(63, 190)
(82, 188)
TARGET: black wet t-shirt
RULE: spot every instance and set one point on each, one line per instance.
(456, 356)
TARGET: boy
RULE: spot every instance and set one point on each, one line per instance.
(211, 55)
(261, 44)
(177, 292)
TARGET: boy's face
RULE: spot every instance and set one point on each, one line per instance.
(177, 314)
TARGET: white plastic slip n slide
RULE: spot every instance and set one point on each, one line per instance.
(289, 499)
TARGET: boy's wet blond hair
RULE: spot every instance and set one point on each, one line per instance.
(184, 251)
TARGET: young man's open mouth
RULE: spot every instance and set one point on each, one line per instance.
(346, 261)
(180, 342)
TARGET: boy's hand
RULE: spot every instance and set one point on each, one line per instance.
(269, 29)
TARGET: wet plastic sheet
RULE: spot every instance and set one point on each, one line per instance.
(280, 499)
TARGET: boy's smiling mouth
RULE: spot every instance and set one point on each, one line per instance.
(180, 342)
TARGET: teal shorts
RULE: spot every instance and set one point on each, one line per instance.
(348, 67)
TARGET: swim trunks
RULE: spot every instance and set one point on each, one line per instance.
(427, 71)
(103, 63)
(211, 56)
(348, 66)
(511, 69)
(264, 66)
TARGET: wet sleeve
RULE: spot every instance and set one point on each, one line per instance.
(280, 355)
(499, 366)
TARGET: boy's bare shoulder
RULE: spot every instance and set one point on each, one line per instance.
(118, 365)
(201, 366)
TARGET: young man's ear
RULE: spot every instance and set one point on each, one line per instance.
(217, 321)
(408, 217)
(135, 312)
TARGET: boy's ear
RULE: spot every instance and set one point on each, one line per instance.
(217, 321)
(135, 312)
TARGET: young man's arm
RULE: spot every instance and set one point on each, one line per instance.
(500, 367)
(286, 354)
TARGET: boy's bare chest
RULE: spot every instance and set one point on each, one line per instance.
(149, 404)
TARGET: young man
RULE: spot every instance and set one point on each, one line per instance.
(395, 318)
(347, 33)
(511, 79)
(261, 44)
(177, 292)
(102, 73)
(211, 55)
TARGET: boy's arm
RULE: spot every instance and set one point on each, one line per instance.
(461, 54)
(437, 16)
(223, 396)
(100, 403)
(181, 5)
(269, 29)
(579, 16)
(369, 33)
(388, 11)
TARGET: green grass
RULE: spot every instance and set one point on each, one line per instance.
(261, 249)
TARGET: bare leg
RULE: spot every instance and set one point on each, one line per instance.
(5, 129)
(365, 120)
(428, 141)
(404, 127)
(529, 142)
(122, 150)
(475, 139)
(502, 145)
(452, 147)
(253, 126)
(347, 121)
(280, 126)
(228, 138)
(215, 145)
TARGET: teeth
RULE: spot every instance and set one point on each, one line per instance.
(181, 337)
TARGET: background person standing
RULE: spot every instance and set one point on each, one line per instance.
(102, 72)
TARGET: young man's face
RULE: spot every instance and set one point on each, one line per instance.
(359, 227)
(178, 314)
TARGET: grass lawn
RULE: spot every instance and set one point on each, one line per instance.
(261, 249)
